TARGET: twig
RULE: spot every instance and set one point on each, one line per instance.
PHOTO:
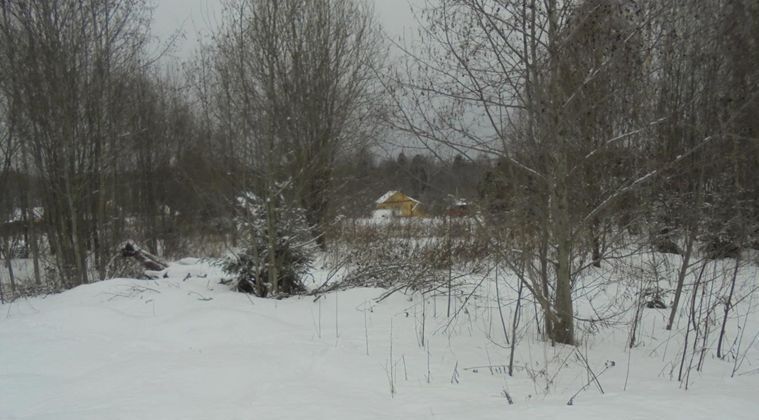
(608, 365)
(201, 298)
(455, 374)
(590, 370)
(500, 310)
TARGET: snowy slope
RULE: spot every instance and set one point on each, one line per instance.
(188, 348)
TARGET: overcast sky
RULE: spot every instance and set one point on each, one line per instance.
(191, 17)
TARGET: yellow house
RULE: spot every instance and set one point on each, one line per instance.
(399, 204)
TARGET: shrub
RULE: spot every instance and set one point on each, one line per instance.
(293, 248)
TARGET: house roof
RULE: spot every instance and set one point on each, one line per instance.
(385, 197)
(460, 203)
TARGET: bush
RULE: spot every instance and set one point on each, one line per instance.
(293, 248)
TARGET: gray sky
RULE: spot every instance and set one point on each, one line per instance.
(191, 17)
(194, 19)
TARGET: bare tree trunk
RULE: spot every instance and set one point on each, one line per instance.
(561, 229)
(563, 329)
(271, 238)
(9, 264)
(682, 274)
(728, 307)
(691, 321)
(545, 284)
(31, 220)
(76, 245)
(595, 243)
(514, 325)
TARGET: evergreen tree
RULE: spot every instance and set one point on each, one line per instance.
(293, 249)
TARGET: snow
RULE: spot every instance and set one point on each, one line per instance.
(23, 270)
(386, 196)
(382, 214)
(460, 203)
(186, 347)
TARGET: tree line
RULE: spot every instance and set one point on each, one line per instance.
(573, 127)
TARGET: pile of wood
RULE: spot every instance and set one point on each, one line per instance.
(149, 262)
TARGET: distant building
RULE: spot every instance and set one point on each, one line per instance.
(398, 204)
(459, 208)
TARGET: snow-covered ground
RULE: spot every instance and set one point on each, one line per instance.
(186, 347)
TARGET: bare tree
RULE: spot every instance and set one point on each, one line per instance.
(564, 96)
(528, 82)
(296, 90)
(705, 91)
(62, 57)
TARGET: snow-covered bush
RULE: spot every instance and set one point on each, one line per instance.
(277, 247)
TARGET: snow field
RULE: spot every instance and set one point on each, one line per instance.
(186, 347)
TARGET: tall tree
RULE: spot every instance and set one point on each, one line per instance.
(296, 91)
(302, 74)
(60, 59)
(554, 91)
